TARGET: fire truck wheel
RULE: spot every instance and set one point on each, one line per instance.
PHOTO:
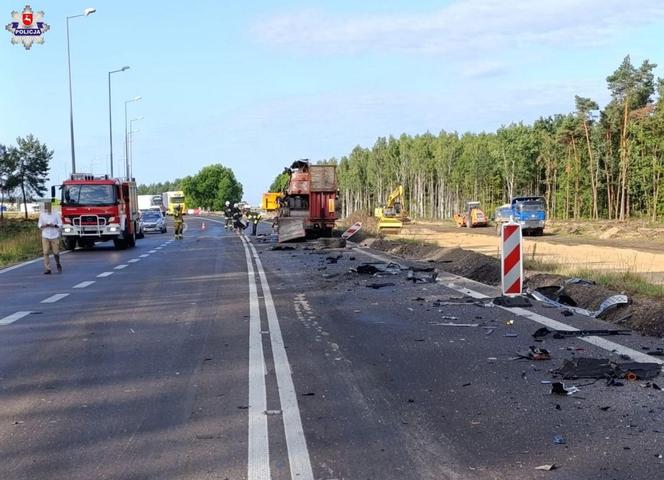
(131, 241)
(120, 243)
(70, 243)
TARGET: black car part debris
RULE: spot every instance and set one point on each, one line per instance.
(376, 286)
(421, 278)
(605, 368)
(544, 331)
(512, 302)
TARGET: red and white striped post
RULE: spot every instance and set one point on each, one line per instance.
(351, 231)
(511, 259)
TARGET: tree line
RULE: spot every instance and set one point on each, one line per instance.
(23, 171)
(590, 163)
(210, 188)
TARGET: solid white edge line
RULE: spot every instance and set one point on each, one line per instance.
(600, 342)
(296, 444)
(55, 298)
(105, 274)
(13, 317)
(120, 267)
(84, 284)
(258, 448)
(23, 264)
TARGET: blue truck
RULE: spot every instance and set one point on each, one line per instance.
(530, 213)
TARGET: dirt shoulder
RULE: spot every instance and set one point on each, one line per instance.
(643, 256)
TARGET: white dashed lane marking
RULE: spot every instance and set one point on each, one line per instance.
(55, 298)
(152, 251)
(84, 284)
(120, 267)
(143, 256)
(105, 274)
(13, 317)
(134, 260)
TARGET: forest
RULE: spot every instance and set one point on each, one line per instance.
(592, 163)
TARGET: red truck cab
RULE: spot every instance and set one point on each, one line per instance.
(97, 209)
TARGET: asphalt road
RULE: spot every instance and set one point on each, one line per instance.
(216, 358)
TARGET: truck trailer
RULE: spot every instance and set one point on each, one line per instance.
(308, 205)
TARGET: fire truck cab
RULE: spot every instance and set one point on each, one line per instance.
(98, 208)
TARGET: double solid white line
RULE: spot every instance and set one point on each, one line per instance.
(258, 449)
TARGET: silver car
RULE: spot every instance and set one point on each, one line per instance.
(153, 221)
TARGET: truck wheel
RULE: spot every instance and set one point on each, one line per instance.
(131, 241)
(540, 232)
(70, 244)
(120, 243)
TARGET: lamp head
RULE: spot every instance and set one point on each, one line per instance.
(89, 11)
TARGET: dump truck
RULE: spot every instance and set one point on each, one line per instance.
(530, 213)
(270, 201)
(307, 207)
(473, 216)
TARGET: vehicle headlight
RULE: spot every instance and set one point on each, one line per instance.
(68, 229)
(113, 229)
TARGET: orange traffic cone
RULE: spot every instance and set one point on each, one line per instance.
(203, 226)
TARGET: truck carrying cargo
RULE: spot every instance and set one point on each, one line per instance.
(308, 206)
(270, 201)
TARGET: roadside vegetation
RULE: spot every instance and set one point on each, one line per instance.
(19, 241)
(591, 163)
(210, 188)
(626, 281)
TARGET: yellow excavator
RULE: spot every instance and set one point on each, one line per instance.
(392, 215)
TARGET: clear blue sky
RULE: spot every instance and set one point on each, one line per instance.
(255, 85)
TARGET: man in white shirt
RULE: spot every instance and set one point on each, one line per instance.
(50, 224)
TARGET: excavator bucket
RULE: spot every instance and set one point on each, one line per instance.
(291, 228)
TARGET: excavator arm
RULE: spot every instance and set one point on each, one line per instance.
(396, 194)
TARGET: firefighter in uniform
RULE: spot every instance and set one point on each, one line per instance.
(254, 217)
(179, 222)
(228, 213)
(237, 219)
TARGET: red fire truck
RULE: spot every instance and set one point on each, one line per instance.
(97, 209)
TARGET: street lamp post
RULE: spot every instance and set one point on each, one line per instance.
(86, 12)
(135, 99)
(110, 117)
(131, 144)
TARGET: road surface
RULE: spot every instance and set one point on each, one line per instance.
(216, 357)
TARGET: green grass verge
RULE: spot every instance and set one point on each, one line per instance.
(627, 281)
(19, 240)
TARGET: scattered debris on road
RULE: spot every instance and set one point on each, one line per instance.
(376, 286)
(450, 324)
(599, 368)
(544, 331)
(559, 388)
(282, 247)
(512, 302)
(535, 353)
